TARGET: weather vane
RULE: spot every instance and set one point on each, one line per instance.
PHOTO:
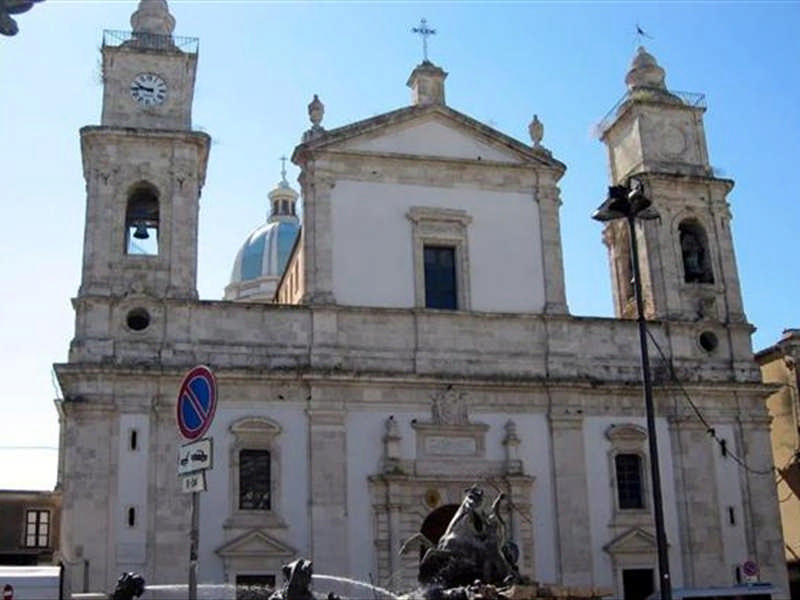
(641, 34)
(424, 31)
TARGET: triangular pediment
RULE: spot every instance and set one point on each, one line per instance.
(432, 131)
(431, 136)
(258, 543)
(633, 541)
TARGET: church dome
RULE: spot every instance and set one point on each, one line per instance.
(262, 258)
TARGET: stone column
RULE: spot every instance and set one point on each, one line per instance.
(328, 487)
(555, 298)
(573, 538)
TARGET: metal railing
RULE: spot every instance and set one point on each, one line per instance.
(151, 41)
(654, 94)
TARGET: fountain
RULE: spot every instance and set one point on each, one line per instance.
(474, 559)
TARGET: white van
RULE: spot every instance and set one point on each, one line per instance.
(31, 583)
(750, 591)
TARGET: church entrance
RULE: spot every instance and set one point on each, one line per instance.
(435, 524)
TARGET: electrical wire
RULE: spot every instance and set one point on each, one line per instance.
(709, 429)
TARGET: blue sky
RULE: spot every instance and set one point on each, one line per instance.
(261, 62)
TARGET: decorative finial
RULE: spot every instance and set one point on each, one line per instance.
(153, 17)
(316, 110)
(536, 131)
(645, 72)
(424, 31)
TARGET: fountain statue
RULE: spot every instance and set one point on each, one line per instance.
(474, 547)
(298, 582)
(129, 586)
(8, 26)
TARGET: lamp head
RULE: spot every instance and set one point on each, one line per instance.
(625, 201)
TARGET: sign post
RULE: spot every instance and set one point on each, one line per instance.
(197, 403)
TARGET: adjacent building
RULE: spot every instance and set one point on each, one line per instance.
(420, 344)
(779, 366)
(29, 527)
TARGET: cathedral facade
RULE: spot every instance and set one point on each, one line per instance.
(368, 376)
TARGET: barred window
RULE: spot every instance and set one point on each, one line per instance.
(37, 528)
(254, 480)
(629, 480)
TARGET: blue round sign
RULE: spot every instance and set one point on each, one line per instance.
(197, 402)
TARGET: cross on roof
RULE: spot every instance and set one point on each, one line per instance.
(424, 33)
(283, 167)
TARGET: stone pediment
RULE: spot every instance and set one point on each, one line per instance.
(433, 131)
(256, 543)
(633, 541)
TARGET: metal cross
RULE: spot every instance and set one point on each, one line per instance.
(283, 167)
(424, 32)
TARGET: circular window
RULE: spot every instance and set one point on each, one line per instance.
(708, 341)
(138, 319)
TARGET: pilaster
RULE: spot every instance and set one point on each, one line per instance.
(698, 504)
(555, 298)
(574, 543)
(328, 502)
(317, 238)
(764, 539)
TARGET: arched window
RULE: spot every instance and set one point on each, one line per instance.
(694, 252)
(141, 220)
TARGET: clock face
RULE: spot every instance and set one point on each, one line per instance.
(148, 89)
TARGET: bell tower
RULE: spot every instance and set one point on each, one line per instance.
(144, 167)
(687, 259)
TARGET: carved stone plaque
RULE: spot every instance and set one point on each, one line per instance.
(461, 446)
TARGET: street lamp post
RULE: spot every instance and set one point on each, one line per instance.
(629, 202)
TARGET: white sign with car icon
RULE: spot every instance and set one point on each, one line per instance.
(195, 456)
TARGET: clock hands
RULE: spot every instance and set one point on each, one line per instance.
(138, 85)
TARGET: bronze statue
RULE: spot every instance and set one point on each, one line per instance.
(474, 547)
(8, 26)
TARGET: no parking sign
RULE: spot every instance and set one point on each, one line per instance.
(8, 592)
(197, 402)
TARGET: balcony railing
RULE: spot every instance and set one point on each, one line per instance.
(151, 41)
(691, 99)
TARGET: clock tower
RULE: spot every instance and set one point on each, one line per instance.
(144, 166)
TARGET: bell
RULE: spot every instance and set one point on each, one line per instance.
(141, 231)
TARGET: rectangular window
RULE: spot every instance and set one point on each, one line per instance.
(254, 480)
(37, 528)
(637, 584)
(629, 480)
(440, 277)
(254, 587)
